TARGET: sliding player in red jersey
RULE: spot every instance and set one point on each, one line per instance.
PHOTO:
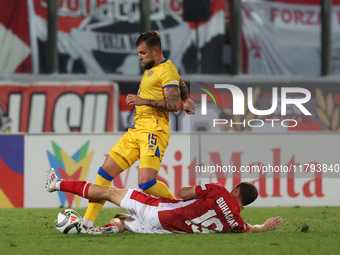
(208, 208)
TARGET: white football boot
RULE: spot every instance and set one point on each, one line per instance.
(51, 180)
(108, 229)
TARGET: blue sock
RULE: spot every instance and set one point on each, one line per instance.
(148, 184)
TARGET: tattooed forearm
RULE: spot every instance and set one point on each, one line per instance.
(184, 90)
(170, 104)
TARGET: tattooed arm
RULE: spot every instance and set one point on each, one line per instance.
(184, 90)
(188, 105)
(171, 103)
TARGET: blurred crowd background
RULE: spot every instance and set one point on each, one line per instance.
(250, 43)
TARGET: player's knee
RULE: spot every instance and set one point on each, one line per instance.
(118, 223)
(147, 184)
(113, 221)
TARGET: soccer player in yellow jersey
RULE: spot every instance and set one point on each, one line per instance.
(160, 92)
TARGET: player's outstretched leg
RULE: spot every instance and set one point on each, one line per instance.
(54, 183)
(82, 188)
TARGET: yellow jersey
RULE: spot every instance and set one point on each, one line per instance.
(151, 87)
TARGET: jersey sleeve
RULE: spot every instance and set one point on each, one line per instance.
(242, 227)
(245, 227)
(205, 190)
(170, 78)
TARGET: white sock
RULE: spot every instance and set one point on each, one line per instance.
(57, 184)
(115, 229)
(87, 222)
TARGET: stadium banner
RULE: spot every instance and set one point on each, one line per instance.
(11, 171)
(284, 37)
(98, 37)
(15, 46)
(59, 107)
(288, 169)
(78, 157)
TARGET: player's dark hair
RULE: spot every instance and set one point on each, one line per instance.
(151, 39)
(248, 192)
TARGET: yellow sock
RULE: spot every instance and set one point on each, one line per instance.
(94, 206)
(160, 190)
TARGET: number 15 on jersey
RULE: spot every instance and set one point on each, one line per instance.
(152, 139)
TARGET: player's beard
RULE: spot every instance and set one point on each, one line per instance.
(149, 65)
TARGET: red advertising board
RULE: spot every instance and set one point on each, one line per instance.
(58, 107)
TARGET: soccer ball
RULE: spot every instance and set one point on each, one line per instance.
(69, 221)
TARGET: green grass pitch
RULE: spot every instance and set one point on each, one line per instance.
(305, 230)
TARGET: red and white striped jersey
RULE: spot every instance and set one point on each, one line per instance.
(213, 210)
